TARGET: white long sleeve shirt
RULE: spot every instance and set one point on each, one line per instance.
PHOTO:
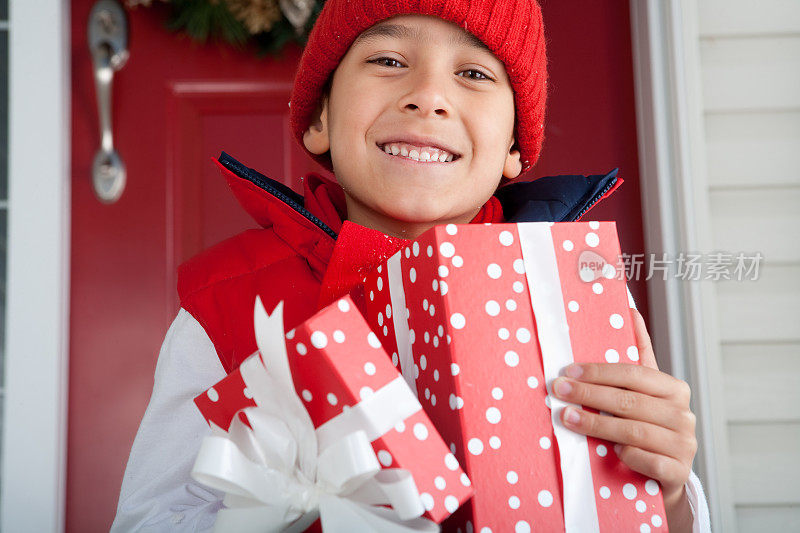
(158, 493)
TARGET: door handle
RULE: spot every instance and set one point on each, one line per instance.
(108, 44)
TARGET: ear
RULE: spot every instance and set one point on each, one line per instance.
(513, 165)
(316, 138)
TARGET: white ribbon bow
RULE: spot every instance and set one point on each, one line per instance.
(273, 474)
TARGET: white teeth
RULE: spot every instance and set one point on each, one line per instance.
(435, 156)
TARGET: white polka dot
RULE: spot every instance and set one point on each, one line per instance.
(609, 272)
(594, 224)
(454, 369)
(415, 249)
(247, 393)
(601, 450)
(388, 311)
(435, 372)
(519, 266)
(450, 503)
(513, 502)
(427, 500)
(332, 399)
(384, 457)
(435, 285)
(547, 401)
(486, 529)
(522, 527)
(412, 336)
(523, 335)
(395, 359)
(400, 427)
(447, 249)
(290, 333)
(433, 399)
(616, 321)
(518, 287)
(492, 308)
(592, 239)
(385, 331)
(451, 462)
(506, 238)
(443, 271)
(586, 274)
(306, 394)
(412, 274)
(343, 306)
(212, 394)
(632, 353)
(545, 443)
(512, 477)
(458, 261)
(494, 442)
(533, 382)
(612, 356)
(629, 491)
(459, 402)
(301, 348)
(651, 486)
(435, 342)
(494, 271)
(443, 287)
(493, 415)
(440, 330)
(380, 283)
(380, 319)
(644, 528)
(420, 431)
(545, 498)
(567, 245)
(451, 229)
(497, 393)
(373, 341)
(365, 393)
(457, 320)
(427, 393)
(439, 483)
(408, 252)
(573, 306)
(429, 251)
(511, 305)
(338, 336)
(656, 520)
(597, 288)
(465, 480)
(605, 492)
(426, 337)
(511, 358)
(503, 333)
(475, 446)
(641, 506)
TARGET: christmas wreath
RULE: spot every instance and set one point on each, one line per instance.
(269, 24)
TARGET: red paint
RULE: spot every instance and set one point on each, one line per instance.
(175, 105)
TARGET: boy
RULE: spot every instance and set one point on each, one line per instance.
(419, 110)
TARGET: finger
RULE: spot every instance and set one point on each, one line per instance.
(633, 377)
(671, 473)
(643, 435)
(643, 341)
(626, 404)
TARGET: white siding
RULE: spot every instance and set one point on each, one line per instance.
(750, 75)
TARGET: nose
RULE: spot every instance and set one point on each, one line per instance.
(426, 95)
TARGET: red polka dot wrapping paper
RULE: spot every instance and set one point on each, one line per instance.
(337, 362)
(470, 343)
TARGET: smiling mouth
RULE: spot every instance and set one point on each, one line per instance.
(419, 154)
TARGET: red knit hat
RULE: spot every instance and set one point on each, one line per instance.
(512, 29)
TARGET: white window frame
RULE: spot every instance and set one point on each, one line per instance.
(669, 110)
(37, 309)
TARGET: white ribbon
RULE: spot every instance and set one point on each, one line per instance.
(275, 477)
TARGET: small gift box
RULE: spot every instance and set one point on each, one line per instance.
(481, 319)
(319, 423)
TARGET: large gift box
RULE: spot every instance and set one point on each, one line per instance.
(319, 422)
(481, 319)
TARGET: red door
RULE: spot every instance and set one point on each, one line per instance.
(175, 106)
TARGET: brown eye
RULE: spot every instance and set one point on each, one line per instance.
(386, 62)
(477, 75)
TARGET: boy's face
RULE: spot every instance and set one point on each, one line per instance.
(409, 84)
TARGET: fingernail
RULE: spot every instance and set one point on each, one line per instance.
(574, 371)
(562, 387)
(571, 415)
(617, 449)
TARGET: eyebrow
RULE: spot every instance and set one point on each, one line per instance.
(400, 31)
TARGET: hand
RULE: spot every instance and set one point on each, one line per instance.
(652, 422)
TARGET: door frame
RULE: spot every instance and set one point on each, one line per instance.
(671, 138)
(34, 419)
